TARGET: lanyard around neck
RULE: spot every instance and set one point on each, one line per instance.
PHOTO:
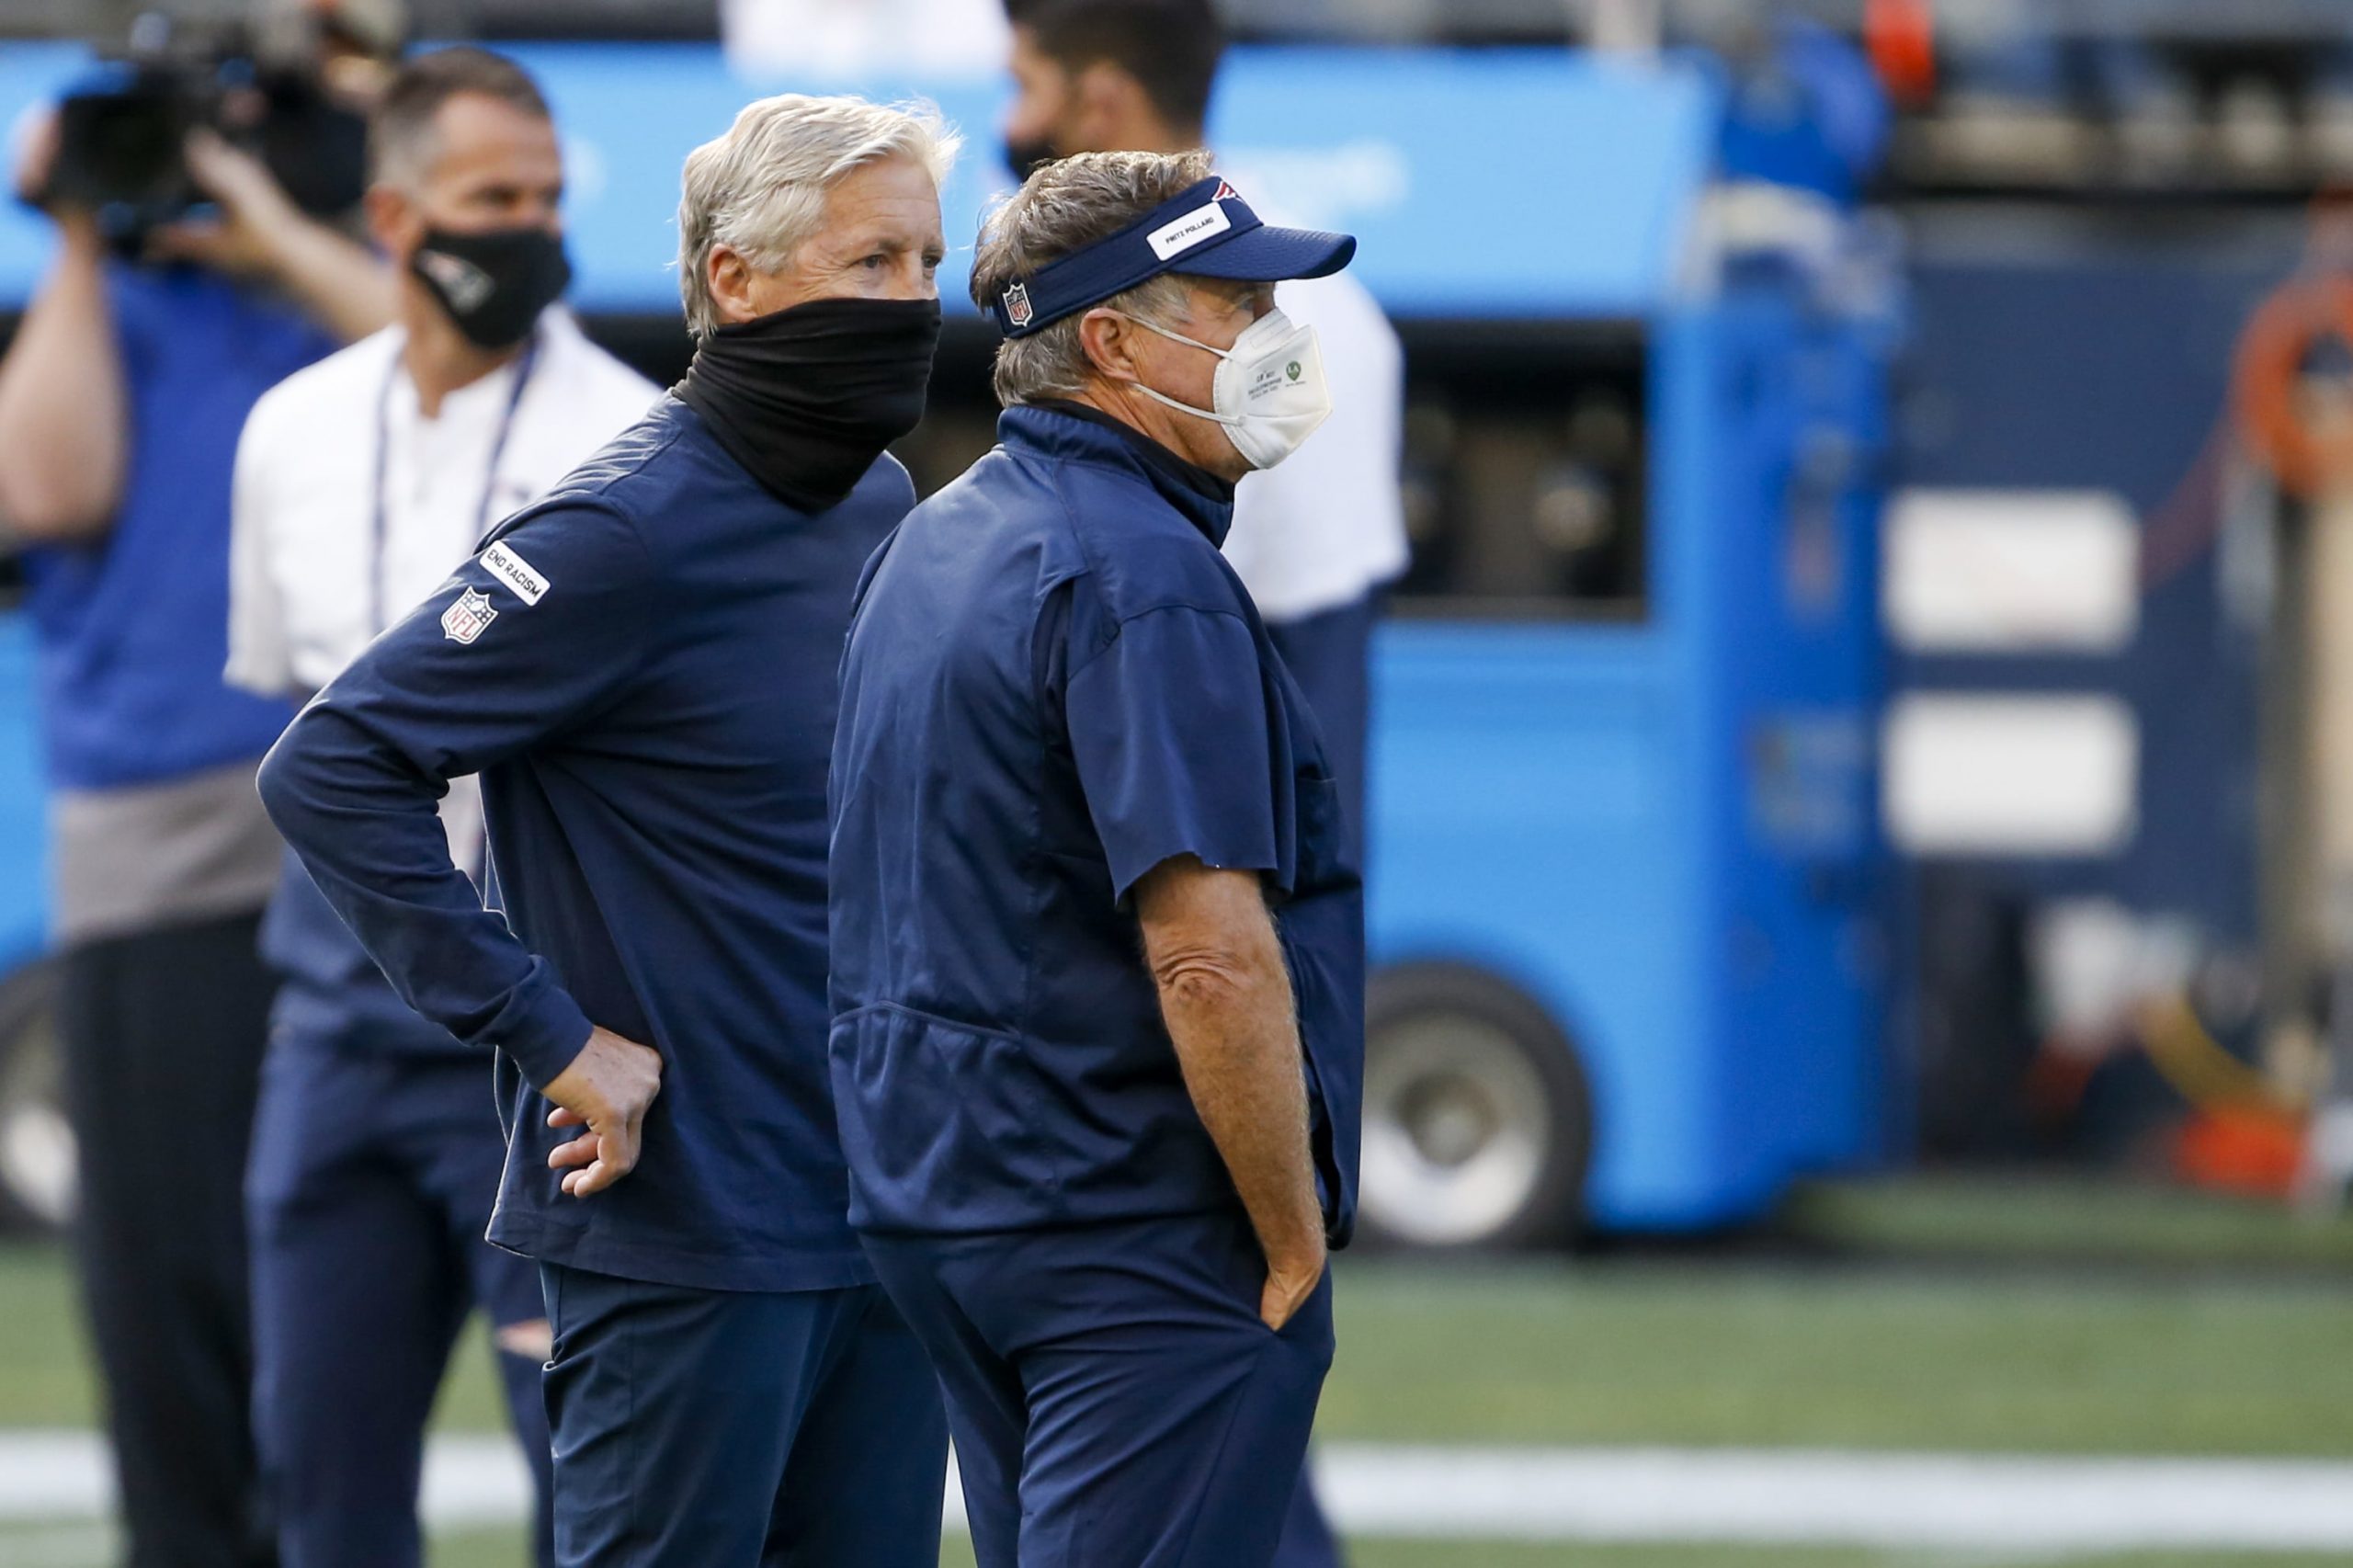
(380, 531)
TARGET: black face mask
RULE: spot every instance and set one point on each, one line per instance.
(807, 398)
(1026, 157)
(494, 284)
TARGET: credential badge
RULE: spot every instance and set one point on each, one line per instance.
(1016, 305)
(468, 617)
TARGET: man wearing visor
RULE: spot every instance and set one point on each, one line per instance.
(641, 667)
(1099, 1174)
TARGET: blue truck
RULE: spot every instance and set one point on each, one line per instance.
(1625, 861)
(36, 1148)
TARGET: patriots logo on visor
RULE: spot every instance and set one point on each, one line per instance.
(1016, 305)
(1224, 192)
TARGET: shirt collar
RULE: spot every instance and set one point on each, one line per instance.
(551, 338)
(1063, 429)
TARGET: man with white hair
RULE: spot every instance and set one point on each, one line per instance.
(641, 667)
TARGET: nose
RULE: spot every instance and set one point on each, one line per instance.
(910, 280)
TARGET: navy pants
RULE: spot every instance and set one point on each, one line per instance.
(370, 1184)
(1307, 1542)
(740, 1429)
(1115, 1398)
(1329, 654)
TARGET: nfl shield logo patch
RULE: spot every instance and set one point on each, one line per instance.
(464, 621)
(1016, 305)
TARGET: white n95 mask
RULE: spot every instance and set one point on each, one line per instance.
(1269, 393)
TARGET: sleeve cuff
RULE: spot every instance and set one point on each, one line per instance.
(1130, 864)
(542, 1028)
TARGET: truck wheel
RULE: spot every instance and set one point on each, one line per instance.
(1478, 1124)
(38, 1179)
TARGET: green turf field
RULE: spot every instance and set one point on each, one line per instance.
(1732, 1353)
(1924, 1316)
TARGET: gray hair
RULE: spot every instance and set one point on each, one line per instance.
(760, 189)
(1065, 207)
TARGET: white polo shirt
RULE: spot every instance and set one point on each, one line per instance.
(1326, 525)
(350, 506)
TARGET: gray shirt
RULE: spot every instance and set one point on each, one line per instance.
(132, 860)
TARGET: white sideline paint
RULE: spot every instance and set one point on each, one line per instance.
(1981, 1502)
(1784, 1496)
(469, 1480)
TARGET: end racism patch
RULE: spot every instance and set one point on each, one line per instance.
(1181, 234)
(513, 572)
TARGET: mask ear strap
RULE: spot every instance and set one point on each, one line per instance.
(1210, 414)
(1174, 337)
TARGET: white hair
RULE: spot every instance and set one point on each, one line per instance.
(760, 189)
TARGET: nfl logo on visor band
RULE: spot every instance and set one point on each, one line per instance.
(1207, 230)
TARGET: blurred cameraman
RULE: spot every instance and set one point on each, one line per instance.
(120, 402)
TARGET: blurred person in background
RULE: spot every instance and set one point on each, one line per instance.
(120, 400)
(1805, 111)
(1316, 539)
(361, 484)
(641, 668)
(1100, 1110)
(932, 41)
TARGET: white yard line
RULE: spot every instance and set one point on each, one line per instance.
(2002, 1503)
(1904, 1501)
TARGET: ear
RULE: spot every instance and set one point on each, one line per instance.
(729, 278)
(393, 222)
(1108, 340)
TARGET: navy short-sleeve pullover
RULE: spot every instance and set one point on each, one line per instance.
(642, 667)
(1053, 682)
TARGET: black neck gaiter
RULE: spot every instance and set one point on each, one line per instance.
(807, 398)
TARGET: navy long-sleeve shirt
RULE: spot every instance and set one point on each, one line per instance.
(641, 667)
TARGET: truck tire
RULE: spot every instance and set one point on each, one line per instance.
(38, 1178)
(1478, 1122)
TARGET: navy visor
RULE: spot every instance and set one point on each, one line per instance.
(1206, 230)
